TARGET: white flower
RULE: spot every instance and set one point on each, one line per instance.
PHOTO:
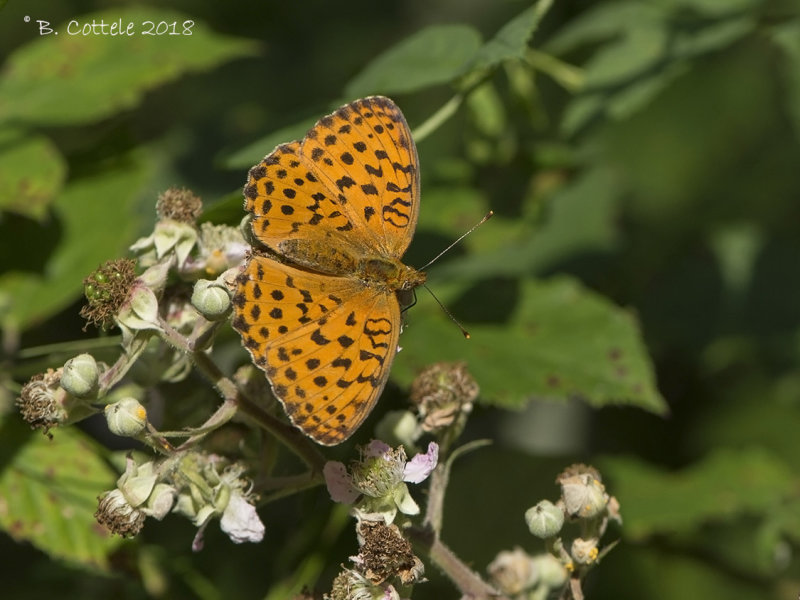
(241, 522)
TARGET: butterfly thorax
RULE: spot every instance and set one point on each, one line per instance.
(390, 272)
(373, 270)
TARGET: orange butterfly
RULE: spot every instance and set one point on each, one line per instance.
(319, 309)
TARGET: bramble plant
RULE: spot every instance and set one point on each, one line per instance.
(631, 303)
(169, 314)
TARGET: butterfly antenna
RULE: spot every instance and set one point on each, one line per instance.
(447, 312)
(461, 237)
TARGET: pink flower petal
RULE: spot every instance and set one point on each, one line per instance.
(340, 485)
(422, 465)
(376, 448)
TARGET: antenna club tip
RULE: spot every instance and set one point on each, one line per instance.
(467, 335)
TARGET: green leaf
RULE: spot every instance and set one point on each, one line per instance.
(644, 48)
(49, 490)
(561, 341)
(252, 153)
(727, 484)
(512, 39)
(32, 172)
(95, 221)
(433, 56)
(72, 79)
(787, 37)
(582, 218)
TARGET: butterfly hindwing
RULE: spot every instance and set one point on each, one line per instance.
(325, 343)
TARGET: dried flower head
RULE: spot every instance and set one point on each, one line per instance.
(117, 515)
(179, 204)
(442, 393)
(41, 401)
(106, 290)
(386, 553)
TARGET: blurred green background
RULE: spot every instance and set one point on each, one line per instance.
(632, 304)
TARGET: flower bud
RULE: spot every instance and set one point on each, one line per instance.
(160, 501)
(545, 519)
(512, 571)
(137, 482)
(126, 418)
(550, 572)
(211, 299)
(80, 376)
(584, 496)
(584, 552)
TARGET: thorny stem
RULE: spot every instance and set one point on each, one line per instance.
(434, 509)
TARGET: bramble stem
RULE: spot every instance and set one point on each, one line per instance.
(447, 110)
(468, 582)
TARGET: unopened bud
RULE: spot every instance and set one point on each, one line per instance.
(126, 418)
(160, 501)
(545, 519)
(80, 376)
(211, 299)
(584, 496)
(550, 572)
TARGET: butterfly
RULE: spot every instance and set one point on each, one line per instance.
(318, 308)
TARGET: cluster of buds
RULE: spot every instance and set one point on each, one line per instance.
(585, 504)
(191, 250)
(197, 486)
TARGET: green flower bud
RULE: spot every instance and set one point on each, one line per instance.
(545, 519)
(549, 570)
(211, 299)
(137, 482)
(80, 376)
(126, 418)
